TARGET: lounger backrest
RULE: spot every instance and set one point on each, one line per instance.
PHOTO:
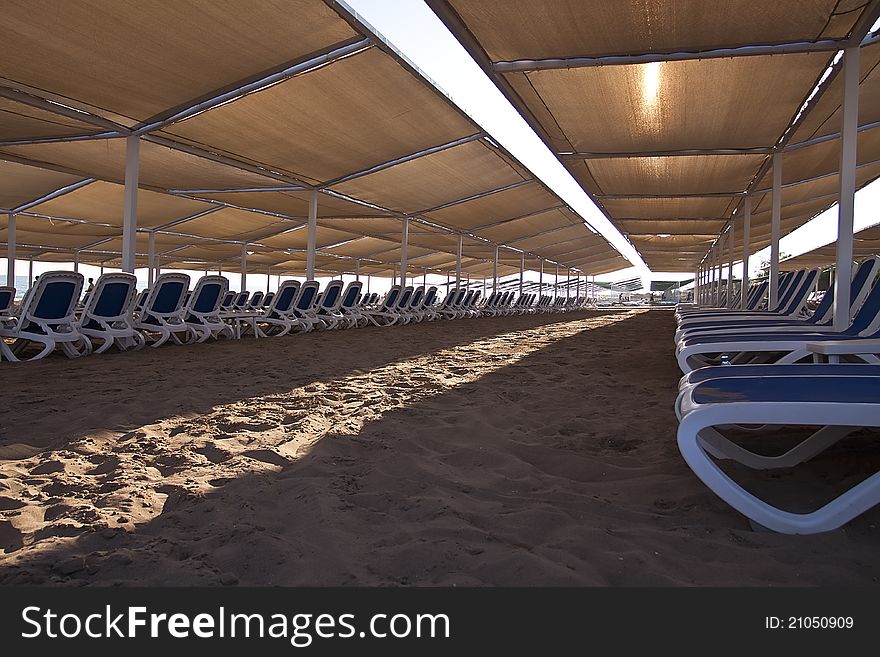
(141, 298)
(227, 300)
(798, 294)
(167, 294)
(786, 289)
(308, 295)
(267, 300)
(391, 298)
(111, 299)
(405, 296)
(332, 295)
(255, 300)
(863, 278)
(207, 295)
(449, 298)
(468, 298)
(52, 299)
(477, 295)
(7, 296)
(240, 300)
(867, 319)
(430, 297)
(283, 300)
(459, 298)
(758, 296)
(351, 296)
(417, 297)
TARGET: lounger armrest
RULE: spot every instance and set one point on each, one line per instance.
(844, 347)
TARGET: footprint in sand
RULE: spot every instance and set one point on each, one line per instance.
(9, 503)
(214, 454)
(48, 467)
(10, 537)
(267, 456)
(105, 467)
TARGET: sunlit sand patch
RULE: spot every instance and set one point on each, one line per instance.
(111, 482)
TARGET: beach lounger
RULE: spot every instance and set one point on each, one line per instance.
(416, 302)
(328, 305)
(47, 317)
(452, 307)
(820, 320)
(228, 299)
(780, 347)
(305, 307)
(107, 314)
(349, 308)
(278, 318)
(427, 310)
(7, 305)
(141, 299)
(386, 314)
(162, 317)
(837, 404)
(202, 313)
(267, 300)
(255, 302)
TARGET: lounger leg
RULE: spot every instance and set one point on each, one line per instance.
(721, 447)
(855, 501)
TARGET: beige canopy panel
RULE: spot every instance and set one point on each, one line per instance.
(668, 113)
(242, 112)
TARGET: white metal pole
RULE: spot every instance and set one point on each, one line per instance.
(775, 221)
(404, 239)
(151, 258)
(76, 261)
(458, 261)
(357, 269)
(243, 268)
(846, 199)
(425, 278)
(541, 280)
(556, 284)
(747, 236)
(368, 283)
(10, 251)
(30, 272)
(730, 245)
(129, 210)
(268, 280)
(495, 272)
(312, 233)
(522, 271)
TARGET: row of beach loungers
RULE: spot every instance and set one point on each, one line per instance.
(756, 370)
(115, 314)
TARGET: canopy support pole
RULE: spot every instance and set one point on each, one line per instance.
(357, 269)
(243, 267)
(10, 251)
(312, 233)
(151, 258)
(541, 281)
(556, 284)
(30, 272)
(775, 221)
(846, 203)
(747, 236)
(76, 261)
(129, 211)
(425, 278)
(404, 239)
(268, 280)
(522, 271)
(458, 261)
(495, 272)
(730, 243)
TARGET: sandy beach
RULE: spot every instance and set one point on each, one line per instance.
(536, 450)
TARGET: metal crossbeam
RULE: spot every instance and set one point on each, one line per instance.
(253, 84)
